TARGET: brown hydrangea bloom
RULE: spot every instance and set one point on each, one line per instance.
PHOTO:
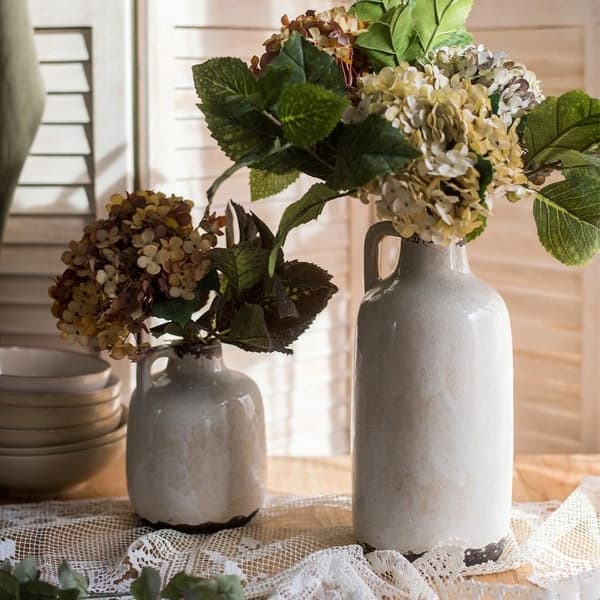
(144, 251)
(333, 31)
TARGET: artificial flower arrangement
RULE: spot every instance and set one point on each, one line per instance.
(146, 259)
(390, 102)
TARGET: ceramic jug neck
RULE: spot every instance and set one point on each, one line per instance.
(419, 256)
(200, 359)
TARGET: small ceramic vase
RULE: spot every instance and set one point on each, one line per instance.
(196, 453)
(433, 406)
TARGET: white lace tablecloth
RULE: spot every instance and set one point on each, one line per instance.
(303, 548)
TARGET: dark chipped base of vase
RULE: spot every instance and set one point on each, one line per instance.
(477, 556)
(209, 527)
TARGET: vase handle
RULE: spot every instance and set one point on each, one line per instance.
(376, 233)
(143, 374)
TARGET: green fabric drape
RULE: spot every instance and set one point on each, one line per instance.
(22, 97)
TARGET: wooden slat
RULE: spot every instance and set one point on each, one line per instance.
(61, 46)
(61, 139)
(25, 318)
(539, 13)
(33, 260)
(548, 420)
(185, 104)
(559, 280)
(193, 134)
(53, 170)
(65, 77)
(532, 335)
(523, 303)
(65, 108)
(21, 229)
(23, 289)
(552, 397)
(259, 14)
(195, 42)
(197, 163)
(50, 200)
(550, 368)
(534, 441)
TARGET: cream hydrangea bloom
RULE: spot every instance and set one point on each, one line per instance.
(450, 121)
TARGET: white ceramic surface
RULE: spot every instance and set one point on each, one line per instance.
(56, 472)
(48, 370)
(36, 438)
(29, 417)
(196, 442)
(433, 407)
(62, 399)
(117, 431)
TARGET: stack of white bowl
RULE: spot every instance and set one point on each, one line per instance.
(61, 418)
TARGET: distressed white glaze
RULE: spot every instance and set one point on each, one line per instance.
(196, 449)
(433, 413)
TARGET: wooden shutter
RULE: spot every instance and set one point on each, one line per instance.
(307, 395)
(82, 154)
(555, 310)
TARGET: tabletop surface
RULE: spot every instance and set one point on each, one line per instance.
(537, 478)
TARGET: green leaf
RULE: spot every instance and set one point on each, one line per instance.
(37, 590)
(147, 585)
(180, 311)
(486, 174)
(495, 102)
(436, 21)
(71, 594)
(72, 580)
(567, 215)
(309, 287)
(271, 84)
(308, 64)
(250, 135)
(561, 128)
(461, 37)
(477, 232)
(248, 330)
(179, 585)
(9, 586)
(388, 39)
(243, 266)
(308, 208)
(27, 570)
(368, 10)
(229, 587)
(309, 112)
(264, 184)
(295, 159)
(226, 85)
(232, 102)
(366, 150)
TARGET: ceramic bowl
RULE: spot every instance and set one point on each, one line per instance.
(56, 472)
(48, 370)
(62, 399)
(118, 431)
(34, 438)
(33, 417)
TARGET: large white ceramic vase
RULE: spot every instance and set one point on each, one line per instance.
(433, 405)
(196, 453)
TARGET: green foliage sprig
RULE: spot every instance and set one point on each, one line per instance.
(288, 121)
(262, 302)
(22, 582)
